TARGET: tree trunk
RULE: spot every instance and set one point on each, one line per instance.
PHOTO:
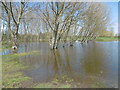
(9, 29)
(15, 38)
(54, 46)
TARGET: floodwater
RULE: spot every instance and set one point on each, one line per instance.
(83, 63)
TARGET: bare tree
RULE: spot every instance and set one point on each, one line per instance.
(59, 17)
(55, 22)
(94, 19)
(14, 10)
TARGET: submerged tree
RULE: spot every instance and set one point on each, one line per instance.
(59, 18)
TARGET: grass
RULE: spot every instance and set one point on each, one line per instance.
(11, 70)
(57, 82)
(107, 39)
(13, 56)
(65, 81)
(52, 85)
(14, 80)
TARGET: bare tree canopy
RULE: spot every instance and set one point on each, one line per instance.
(55, 21)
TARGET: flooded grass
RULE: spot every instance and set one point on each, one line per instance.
(13, 76)
(13, 56)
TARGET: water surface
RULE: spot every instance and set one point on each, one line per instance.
(96, 61)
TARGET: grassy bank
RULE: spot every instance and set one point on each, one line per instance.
(107, 39)
(69, 82)
(12, 74)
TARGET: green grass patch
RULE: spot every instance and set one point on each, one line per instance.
(98, 85)
(65, 81)
(12, 74)
(14, 80)
(107, 38)
(53, 85)
(16, 55)
(58, 82)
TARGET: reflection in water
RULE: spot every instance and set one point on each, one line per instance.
(79, 62)
(93, 60)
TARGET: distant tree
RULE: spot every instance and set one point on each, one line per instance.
(96, 19)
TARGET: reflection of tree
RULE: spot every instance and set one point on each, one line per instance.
(55, 60)
(60, 65)
(93, 60)
(68, 67)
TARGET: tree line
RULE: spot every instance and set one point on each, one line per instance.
(54, 22)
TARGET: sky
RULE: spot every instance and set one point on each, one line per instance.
(113, 7)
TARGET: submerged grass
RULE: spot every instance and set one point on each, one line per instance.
(12, 74)
(13, 56)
